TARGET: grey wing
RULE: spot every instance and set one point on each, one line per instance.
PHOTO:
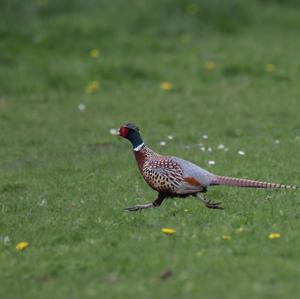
(194, 172)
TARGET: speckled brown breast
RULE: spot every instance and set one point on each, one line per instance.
(161, 173)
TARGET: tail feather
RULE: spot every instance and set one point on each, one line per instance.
(236, 182)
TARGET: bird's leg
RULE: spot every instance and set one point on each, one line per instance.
(156, 203)
(140, 207)
(209, 204)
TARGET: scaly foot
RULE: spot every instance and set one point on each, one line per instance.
(210, 204)
(213, 205)
(139, 207)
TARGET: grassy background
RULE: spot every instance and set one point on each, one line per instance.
(65, 179)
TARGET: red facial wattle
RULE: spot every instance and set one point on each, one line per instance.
(123, 132)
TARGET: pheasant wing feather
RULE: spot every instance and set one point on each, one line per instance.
(196, 173)
(174, 175)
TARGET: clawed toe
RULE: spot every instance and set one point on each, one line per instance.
(210, 204)
(214, 205)
(133, 209)
(139, 207)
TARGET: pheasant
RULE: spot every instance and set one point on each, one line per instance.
(174, 177)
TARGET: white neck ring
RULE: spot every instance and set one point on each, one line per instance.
(139, 147)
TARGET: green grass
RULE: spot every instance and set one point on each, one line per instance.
(65, 179)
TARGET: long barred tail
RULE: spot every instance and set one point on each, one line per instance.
(236, 182)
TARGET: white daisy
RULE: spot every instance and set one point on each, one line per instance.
(81, 107)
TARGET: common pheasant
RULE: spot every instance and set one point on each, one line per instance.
(174, 177)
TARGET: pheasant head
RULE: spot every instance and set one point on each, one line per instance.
(131, 132)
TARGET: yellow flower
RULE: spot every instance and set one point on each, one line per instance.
(270, 67)
(22, 245)
(226, 237)
(168, 231)
(210, 65)
(94, 53)
(186, 210)
(167, 86)
(92, 87)
(274, 236)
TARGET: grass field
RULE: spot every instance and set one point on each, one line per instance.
(234, 68)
